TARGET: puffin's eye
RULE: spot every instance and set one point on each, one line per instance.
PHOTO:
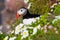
(21, 10)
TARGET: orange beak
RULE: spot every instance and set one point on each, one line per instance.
(17, 16)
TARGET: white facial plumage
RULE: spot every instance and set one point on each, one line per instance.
(22, 11)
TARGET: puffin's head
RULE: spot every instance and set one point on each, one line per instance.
(22, 11)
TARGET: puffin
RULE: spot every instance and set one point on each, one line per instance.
(26, 14)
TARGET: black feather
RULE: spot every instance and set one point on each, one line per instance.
(28, 15)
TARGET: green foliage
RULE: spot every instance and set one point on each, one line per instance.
(39, 6)
(2, 36)
(57, 10)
